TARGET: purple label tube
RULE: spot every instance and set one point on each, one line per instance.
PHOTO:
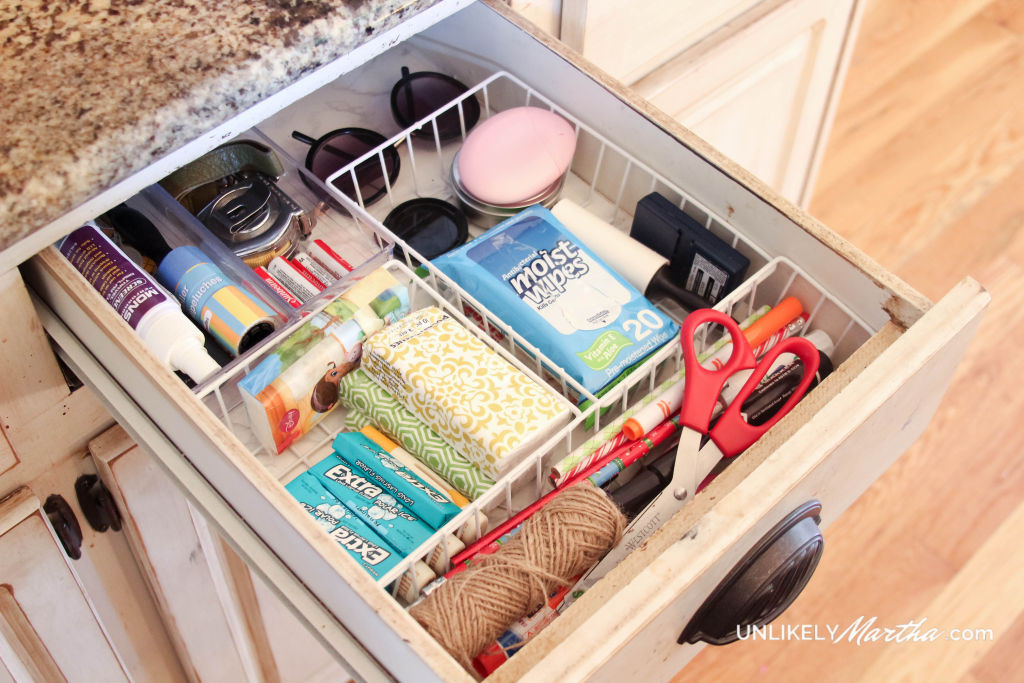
(147, 308)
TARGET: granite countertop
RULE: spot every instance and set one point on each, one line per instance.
(91, 92)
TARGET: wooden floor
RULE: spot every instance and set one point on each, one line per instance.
(925, 172)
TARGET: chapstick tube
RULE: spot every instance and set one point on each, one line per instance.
(236, 320)
(140, 301)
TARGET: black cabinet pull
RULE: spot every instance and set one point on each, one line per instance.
(65, 525)
(764, 583)
(97, 504)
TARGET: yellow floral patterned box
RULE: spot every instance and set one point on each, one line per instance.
(477, 401)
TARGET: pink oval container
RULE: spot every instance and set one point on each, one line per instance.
(516, 155)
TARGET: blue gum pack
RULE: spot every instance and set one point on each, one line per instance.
(351, 533)
(372, 504)
(374, 463)
(535, 275)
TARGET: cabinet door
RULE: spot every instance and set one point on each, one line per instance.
(225, 624)
(631, 39)
(48, 629)
(763, 93)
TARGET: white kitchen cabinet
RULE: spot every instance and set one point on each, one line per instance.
(897, 353)
(48, 628)
(758, 79)
(764, 93)
(46, 428)
(225, 624)
(630, 40)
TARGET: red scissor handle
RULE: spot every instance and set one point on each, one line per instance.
(702, 385)
(732, 434)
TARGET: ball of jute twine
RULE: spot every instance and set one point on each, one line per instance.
(564, 538)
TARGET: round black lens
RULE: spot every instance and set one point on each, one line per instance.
(341, 147)
(420, 94)
(429, 226)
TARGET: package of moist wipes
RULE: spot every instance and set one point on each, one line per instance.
(539, 278)
(351, 533)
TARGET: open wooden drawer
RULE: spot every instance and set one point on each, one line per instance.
(898, 352)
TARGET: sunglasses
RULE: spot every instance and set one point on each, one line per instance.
(418, 95)
(339, 148)
(415, 96)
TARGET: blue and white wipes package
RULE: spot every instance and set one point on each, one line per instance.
(534, 274)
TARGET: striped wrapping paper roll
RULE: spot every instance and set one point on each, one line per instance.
(360, 394)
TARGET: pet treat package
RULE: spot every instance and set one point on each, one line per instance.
(351, 533)
(475, 400)
(534, 274)
(297, 383)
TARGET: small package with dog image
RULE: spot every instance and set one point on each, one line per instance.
(296, 385)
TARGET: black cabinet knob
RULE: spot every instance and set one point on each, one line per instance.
(97, 504)
(764, 583)
(65, 524)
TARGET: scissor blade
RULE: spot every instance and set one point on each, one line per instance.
(693, 463)
(692, 466)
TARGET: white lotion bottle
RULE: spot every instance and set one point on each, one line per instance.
(638, 264)
(154, 315)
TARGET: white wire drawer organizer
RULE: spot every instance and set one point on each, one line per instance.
(605, 179)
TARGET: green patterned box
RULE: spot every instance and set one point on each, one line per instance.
(367, 403)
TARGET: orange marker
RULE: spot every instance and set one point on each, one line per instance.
(772, 321)
(413, 464)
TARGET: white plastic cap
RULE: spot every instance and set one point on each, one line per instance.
(190, 357)
(178, 343)
(821, 341)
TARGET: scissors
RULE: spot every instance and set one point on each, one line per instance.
(731, 434)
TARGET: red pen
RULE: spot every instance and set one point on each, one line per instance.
(628, 452)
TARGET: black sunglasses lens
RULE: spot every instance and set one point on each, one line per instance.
(336, 151)
(430, 226)
(420, 94)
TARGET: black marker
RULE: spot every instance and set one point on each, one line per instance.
(762, 404)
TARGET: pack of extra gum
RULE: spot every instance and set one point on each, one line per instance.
(350, 532)
(296, 384)
(374, 463)
(538, 277)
